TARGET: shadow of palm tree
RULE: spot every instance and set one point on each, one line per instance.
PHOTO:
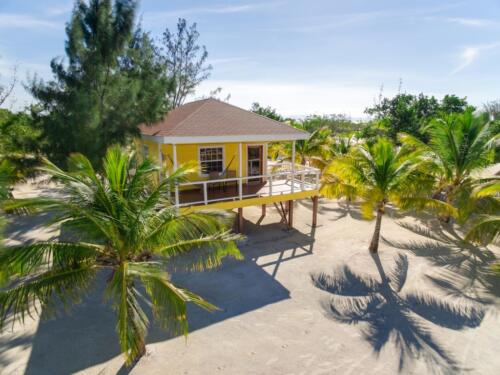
(465, 269)
(393, 315)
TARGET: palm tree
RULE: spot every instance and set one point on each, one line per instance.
(378, 174)
(124, 227)
(459, 145)
(312, 150)
(485, 228)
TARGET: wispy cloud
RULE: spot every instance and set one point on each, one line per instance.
(480, 23)
(26, 21)
(216, 9)
(327, 21)
(227, 60)
(473, 22)
(59, 10)
(470, 54)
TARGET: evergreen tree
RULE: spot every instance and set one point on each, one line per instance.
(112, 81)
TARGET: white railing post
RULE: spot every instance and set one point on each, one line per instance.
(270, 179)
(205, 193)
(302, 176)
(240, 171)
(160, 162)
(317, 179)
(293, 166)
(174, 150)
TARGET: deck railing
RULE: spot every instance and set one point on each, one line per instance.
(281, 178)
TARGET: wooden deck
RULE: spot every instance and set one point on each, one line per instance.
(229, 192)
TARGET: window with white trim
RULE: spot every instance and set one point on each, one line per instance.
(211, 160)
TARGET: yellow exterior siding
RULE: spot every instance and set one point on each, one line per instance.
(190, 152)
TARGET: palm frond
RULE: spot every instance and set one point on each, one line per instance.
(49, 288)
(421, 203)
(485, 229)
(168, 301)
(132, 320)
(26, 259)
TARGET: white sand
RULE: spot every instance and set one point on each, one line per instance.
(273, 320)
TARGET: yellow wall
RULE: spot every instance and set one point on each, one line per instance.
(189, 153)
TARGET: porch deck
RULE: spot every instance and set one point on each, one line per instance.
(230, 192)
(281, 180)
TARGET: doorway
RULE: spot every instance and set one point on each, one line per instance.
(255, 162)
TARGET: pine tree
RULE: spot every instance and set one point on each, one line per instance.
(111, 82)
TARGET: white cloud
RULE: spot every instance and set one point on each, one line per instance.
(474, 22)
(296, 99)
(228, 60)
(26, 21)
(470, 54)
(480, 23)
(59, 10)
(218, 9)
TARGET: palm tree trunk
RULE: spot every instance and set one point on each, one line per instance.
(142, 352)
(376, 234)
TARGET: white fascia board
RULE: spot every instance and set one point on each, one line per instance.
(226, 138)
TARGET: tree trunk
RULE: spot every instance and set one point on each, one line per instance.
(142, 352)
(376, 234)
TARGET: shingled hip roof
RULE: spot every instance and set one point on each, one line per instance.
(210, 120)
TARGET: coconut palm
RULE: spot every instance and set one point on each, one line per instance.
(459, 145)
(123, 226)
(312, 150)
(378, 174)
(485, 228)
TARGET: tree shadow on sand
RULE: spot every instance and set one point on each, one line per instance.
(465, 269)
(391, 315)
(86, 337)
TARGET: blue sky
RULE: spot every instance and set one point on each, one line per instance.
(299, 56)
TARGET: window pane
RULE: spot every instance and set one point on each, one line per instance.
(211, 159)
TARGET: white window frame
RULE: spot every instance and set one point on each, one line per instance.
(211, 146)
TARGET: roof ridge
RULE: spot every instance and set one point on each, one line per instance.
(192, 113)
(257, 114)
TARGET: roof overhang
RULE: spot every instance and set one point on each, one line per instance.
(226, 138)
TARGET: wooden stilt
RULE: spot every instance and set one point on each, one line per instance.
(315, 211)
(263, 210)
(290, 214)
(240, 220)
(281, 211)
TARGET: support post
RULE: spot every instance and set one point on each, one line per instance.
(293, 166)
(264, 160)
(290, 214)
(240, 171)
(174, 150)
(205, 193)
(160, 162)
(240, 220)
(263, 210)
(315, 211)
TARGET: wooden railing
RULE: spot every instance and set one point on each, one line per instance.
(280, 179)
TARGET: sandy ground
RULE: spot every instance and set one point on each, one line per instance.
(302, 302)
